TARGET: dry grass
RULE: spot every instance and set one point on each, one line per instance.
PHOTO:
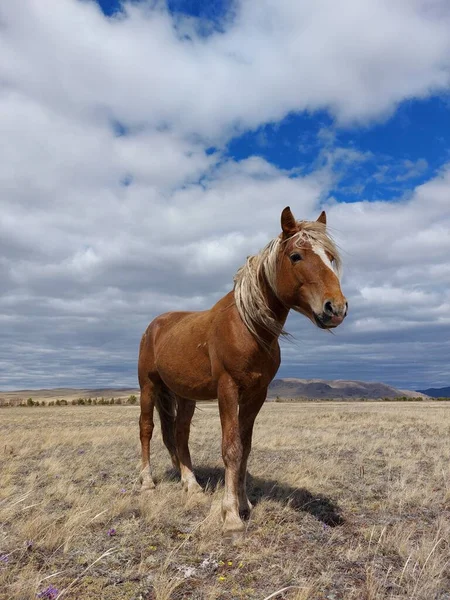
(352, 504)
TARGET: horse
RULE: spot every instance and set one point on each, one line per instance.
(231, 352)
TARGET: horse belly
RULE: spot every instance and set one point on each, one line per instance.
(186, 369)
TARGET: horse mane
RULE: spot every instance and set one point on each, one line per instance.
(249, 279)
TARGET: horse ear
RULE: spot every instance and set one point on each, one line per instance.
(322, 218)
(288, 222)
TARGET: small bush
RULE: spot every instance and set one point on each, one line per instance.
(132, 399)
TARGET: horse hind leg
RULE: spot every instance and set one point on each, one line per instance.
(185, 412)
(146, 426)
(156, 394)
(166, 404)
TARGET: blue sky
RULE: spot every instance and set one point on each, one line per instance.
(146, 131)
(213, 12)
(417, 131)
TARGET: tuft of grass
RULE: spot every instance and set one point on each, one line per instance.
(352, 502)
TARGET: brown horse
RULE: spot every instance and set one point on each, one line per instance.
(231, 352)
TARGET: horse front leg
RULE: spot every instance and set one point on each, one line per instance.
(248, 411)
(232, 453)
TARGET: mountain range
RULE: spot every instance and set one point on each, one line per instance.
(443, 392)
(319, 389)
(286, 388)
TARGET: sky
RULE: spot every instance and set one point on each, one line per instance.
(148, 147)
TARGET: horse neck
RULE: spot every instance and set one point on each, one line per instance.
(279, 311)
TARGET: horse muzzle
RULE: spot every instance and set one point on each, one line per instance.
(332, 315)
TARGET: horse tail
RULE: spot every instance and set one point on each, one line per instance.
(166, 405)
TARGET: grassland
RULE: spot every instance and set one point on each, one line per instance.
(352, 503)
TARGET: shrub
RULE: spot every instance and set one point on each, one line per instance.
(30, 402)
(132, 399)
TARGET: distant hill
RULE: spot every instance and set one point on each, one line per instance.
(437, 392)
(68, 394)
(310, 389)
(317, 389)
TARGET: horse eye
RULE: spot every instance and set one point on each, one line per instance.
(295, 257)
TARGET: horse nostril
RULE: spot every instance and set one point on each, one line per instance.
(328, 308)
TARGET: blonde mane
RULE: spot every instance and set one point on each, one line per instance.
(249, 280)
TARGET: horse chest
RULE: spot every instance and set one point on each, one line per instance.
(252, 380)
(253, 377)
(254, 371)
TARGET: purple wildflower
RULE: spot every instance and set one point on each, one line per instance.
(123, 491)
(80, 451)
(111, 532)
(4, 558)
(49, 593)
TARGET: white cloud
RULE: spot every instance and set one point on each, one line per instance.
(87, 261)
(402, 171)
(395, 297)
(356, 58)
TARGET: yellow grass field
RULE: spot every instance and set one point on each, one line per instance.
(352, 503)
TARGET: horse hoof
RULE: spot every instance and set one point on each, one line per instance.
(233, 529)
(233, 538)
(245, 514)
(147, 486)
(246, 509)
(192, 488)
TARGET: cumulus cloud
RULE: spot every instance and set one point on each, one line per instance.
(116, 208)
(358, 59)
